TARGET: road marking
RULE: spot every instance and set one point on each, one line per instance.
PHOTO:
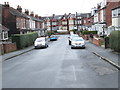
(74, 73)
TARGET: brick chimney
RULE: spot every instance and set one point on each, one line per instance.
(36, 16)
(5, 13)
(19, 9)
(6, 4)
(39, 17)
(26, 11)
(32, 14)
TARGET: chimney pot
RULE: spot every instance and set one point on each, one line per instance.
(26, 11)
(32, 14)
(19, 9)
(5, 3)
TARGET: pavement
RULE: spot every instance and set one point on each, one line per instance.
(108, 55)
(16, 53)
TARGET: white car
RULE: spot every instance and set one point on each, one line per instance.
(72, 36)
(77, 42)
(41, 42)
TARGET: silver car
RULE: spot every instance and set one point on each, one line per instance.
(72, 36)
(77, 42)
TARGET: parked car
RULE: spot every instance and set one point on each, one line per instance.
(53, 38)
(41, 42)
(71, 36)
(77, 42)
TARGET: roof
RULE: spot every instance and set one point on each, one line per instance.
(16, 12)
(58, 17)
(116, 7)
(72, 16)
(84, 14)
(3, 28)
(35, 19)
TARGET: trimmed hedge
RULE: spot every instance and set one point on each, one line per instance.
(24, 40)
(88, 32)
(115, 40)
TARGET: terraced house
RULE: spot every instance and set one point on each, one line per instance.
(19, 22)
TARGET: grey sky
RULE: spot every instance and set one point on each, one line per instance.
(49, 7)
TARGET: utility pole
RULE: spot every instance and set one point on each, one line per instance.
(77, 21)
(51, 24)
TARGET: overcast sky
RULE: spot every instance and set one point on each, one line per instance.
(58, 7)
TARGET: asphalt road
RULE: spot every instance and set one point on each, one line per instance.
(59, 66)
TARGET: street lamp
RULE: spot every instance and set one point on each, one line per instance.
(104, 27)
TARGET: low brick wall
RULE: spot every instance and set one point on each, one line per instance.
(97, 41)
(9, 47)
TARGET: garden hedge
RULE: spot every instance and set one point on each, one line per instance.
(115, 40)
(88, 32)
(24, 40)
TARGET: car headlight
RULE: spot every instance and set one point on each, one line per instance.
(35, 44)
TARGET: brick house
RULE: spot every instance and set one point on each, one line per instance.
(109, 7)
(103, 16)
(64, 22)
(71, 21)
(19, 22)
(54, 22)
(13, 19)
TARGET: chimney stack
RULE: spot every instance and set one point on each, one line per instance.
(39, 17)
(36, 16)
(26, 11)
(32, 14)
(19, 9)
(6, 4)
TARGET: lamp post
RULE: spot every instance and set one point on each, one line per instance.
(103, 31)
(104, 27)
(77, 21)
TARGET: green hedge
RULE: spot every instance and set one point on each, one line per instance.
(115, 40)
(24, 40)
(88, 32)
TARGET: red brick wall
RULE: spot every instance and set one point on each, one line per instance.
(96, 41)
(8, 47)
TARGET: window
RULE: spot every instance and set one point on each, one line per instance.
(118, 11)
(84, 21)
(114, 13)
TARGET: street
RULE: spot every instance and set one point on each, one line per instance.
(59, 66)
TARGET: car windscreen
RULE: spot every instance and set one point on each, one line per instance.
(77, 39)
(40, 40)
(52, 36)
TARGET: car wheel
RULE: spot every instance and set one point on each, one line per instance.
(83, 47)
(71, 47)
(69, 42)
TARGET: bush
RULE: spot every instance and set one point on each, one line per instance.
(88, 32)
(24, 40)
(115, 40)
